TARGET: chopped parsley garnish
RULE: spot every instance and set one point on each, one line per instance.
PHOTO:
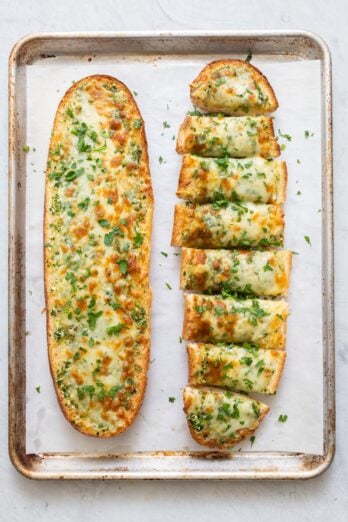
(267, 267)
(285, 136)
(38, 389)
(164, 254)
(171, 399)
(252, 440)
(166, 125)
(308, 240)
(92, 319)
(223, 163)
(123, 266)
(161, 160)
(248, 57)
(246, 360)
(222, 203)
(254, 311)
(168, 286)
(26, 148)
(104, 223)
(115, 329)
(109, 237)
(282, 418)
(308, 134)
(138, 240)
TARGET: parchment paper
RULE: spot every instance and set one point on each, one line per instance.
(163, 95)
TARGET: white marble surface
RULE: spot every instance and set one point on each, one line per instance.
(318, 499)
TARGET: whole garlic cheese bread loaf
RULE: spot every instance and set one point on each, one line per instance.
(255, 179)
(245, 368)
(263, 273)
(220, 418)
(224, 224)
(98, 216)
(230, 320)
(220, 136)
(233, 87)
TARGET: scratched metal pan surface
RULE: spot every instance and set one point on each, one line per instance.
(156, 464)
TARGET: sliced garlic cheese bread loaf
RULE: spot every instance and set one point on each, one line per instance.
(257, 180)
(262, 273)
(233, 87)
(230, 320)
(223, 224)
(245, 368)
(221, 418)
(220, 136)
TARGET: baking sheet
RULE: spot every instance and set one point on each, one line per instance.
(162, 87)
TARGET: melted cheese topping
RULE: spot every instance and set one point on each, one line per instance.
(264, 273)
(210, 179)
(97, 233)
(210, 318)
(220, 136)
(233, 87)
(223, 225)
(244, 368)
(219, 417)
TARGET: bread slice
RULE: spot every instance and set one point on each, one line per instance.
(98, 215)
(220, 418)
(255, 179)
(233, 87)
(245, 368)
(225, 225)
(263, 273)
(214, 319)
(220, 136)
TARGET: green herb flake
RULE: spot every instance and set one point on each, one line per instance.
(308, 240)
(104, 223)
(308, 134)
(123, 266)
(282, 418)
(166, 125)
(285, 136)
(168, 286)
(247, 361)
(248, 57)
(109, 237)
(267, 267)
(92, 319)
(171, 399)
(38, 389)
(164, 254)
(138, 240)
(252, 440)
(115, 329)
(26, 148)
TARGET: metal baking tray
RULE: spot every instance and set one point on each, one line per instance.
(158, 464)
